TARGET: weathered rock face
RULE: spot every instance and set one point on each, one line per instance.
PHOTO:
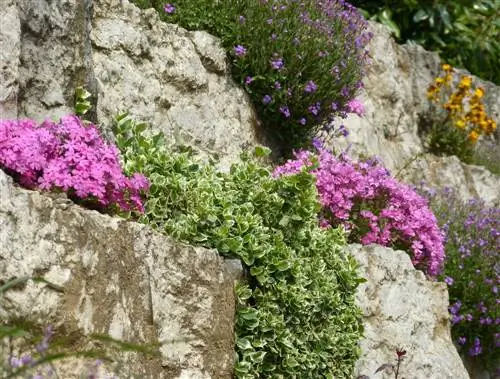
(118, 278)
(403, 310)
(131, 61)
(395, 101)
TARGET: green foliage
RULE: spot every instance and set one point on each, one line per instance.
(296, 316)
(82, 102)
(444, 139)
(464, 32)
(318, 50)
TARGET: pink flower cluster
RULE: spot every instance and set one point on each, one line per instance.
(70, 156)
(373, 206)
(355, 106)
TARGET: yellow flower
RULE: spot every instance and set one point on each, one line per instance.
(446, 67)
(465, 82)
(448, 79)
(460, 124)
(479, 92)
(439, 81)
(473, 136)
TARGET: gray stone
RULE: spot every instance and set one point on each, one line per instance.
(403, 310)
(118, 278)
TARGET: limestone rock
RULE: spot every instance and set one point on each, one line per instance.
(403, 310)
(118, 278)
(131, 62)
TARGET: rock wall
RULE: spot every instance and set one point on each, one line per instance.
(130, 61)
(395, 100)
(403, 310)
(118, 278)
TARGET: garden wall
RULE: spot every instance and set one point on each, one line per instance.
(179, 81)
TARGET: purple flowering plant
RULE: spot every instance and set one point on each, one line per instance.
(471, 271)
(372, 206)
(69, 156)
(316, 52)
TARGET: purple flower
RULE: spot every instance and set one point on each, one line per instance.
(310, 87)
(462, 340)
(448, 280)
(277, 85)
(169, 8)
(302, 121)
(344, 91)
(266, 99)
(241, 19)
(240, 51)
(314, 109)
(248, 80)
(277, 63)
(317, 144)
(476, 349)
(285, 111)
(343, 131)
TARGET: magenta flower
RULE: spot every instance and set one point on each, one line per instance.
(355, 106)
(376, 208)
(72, 157)
(169, 8)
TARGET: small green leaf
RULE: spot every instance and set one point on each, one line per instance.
(262, 151)
(244, 344)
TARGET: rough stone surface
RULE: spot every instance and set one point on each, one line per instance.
(118, 278)
(395, 100)
(132, 62)
(403, 310)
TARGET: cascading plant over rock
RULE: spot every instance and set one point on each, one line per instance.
(300, 61)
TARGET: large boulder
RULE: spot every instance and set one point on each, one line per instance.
(403, 310)
(116, 278)
(130, 61)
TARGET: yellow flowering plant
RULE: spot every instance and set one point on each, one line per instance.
(463, 116)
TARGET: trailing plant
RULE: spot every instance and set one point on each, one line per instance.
(472, 272)
(296, 315)
(301, 62)
(69, 156)
(461, 116)
(464, 32)
(372, 206)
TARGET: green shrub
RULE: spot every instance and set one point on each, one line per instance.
(301, 62)
(464, 32)
(296, 315)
